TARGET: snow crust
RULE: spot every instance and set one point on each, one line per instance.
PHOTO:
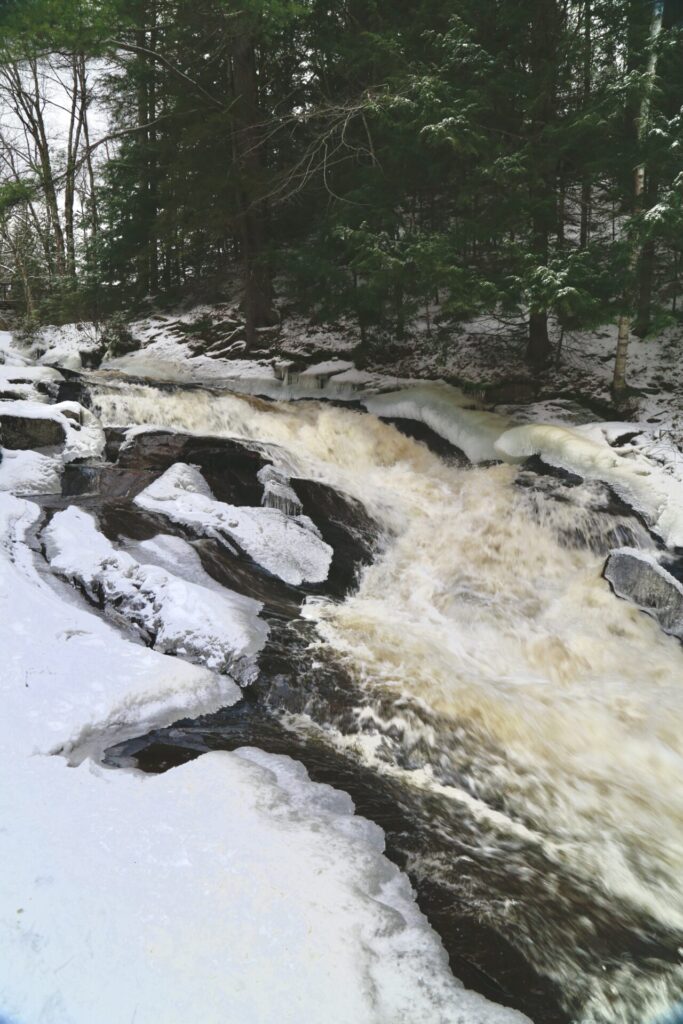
(29, 472)
(221, 631)
(286, 546)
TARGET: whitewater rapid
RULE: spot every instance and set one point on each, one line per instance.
(546, 710)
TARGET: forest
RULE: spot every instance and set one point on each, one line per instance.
(371, 160)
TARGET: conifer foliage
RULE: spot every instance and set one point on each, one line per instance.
(377, 159)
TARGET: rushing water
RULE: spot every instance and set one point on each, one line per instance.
(537, 717)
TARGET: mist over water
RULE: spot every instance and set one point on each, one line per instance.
(540, 715)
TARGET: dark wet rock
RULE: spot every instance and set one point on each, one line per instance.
(536, 465)
(558, 483)
(636, 577)
(345, 525)
(114, 438)
(437, 444)
(72, 389)
(104, 480)
(30, 431)
(235, 570)
(627, 438)
(92, 355)
(594, 517)
(229, 466)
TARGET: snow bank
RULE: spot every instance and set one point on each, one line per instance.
(286, 546)
(28, 472)
(64, 344)
(230, 889)
(68, 673)
(221, 631)
(448, 412)
(644, 485)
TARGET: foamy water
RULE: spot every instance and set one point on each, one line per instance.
(553, 712)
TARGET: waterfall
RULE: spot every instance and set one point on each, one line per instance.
(553, 717)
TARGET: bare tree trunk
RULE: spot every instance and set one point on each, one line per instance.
(624, 322)
(92, 198)
(77, 115)
(543, 194)
(584, 228)
(646, 274)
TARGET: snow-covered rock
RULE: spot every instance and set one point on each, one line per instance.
(67, 425)
(176, 616)
(653, 490)
(30, 431)
(286, 546)
(637, 576)
(29, 472)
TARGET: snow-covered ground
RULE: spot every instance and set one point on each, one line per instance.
(230, 889)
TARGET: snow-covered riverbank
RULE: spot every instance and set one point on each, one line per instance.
(491, 662)
(230, 889)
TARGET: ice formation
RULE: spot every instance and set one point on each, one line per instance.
(448, 412)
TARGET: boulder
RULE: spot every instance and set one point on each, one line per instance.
(636, 576)
(30, 431)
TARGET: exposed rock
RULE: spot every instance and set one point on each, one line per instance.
(230, 466)
(30, 431)
(636, 576)
(437, 444)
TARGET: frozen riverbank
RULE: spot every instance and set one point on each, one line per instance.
(229, 889)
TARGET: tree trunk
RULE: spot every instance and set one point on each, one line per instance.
(624, 322)
(538, 347)
(258, 292)
(584, 228)
(76, 118)
(646, 273)
(543, 169)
